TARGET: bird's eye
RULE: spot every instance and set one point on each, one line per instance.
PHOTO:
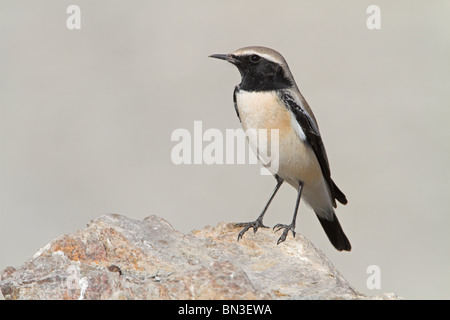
(255, 58)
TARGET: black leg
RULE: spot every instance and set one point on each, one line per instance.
(294, 218)
(258, 222)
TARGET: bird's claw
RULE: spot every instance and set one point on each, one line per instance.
(247, 225)
(286, 228)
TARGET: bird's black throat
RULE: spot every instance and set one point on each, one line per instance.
(262, 76)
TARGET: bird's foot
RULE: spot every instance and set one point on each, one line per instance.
(286, 228)
(247, 225)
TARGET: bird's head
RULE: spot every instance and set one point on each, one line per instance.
(261, 68)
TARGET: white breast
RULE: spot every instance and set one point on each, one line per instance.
(260, 110)
(297, 161)
(264, 110)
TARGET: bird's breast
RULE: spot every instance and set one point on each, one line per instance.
(264, 110)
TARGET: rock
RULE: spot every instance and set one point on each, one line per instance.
(116, 257)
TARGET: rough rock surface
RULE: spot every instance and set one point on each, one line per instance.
(116, 257)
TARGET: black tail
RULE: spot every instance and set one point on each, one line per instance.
(335, 233)
(338, 194)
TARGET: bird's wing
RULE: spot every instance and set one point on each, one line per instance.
(236, 89)
(312, 136)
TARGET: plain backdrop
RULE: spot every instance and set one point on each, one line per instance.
(86, 118)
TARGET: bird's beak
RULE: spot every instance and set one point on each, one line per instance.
(226, 57)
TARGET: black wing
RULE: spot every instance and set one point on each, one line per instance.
(314, 139)
(236, 89)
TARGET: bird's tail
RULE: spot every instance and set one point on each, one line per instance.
(338, 194)
(334, 232)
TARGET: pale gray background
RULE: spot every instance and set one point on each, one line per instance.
(86, 118)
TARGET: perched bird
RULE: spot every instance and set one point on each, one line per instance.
(268, 98)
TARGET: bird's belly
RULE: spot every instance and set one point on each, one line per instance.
(264, 110)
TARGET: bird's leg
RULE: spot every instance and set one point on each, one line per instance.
(292, 225)
(258, 222)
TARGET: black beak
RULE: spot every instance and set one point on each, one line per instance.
(226, 57)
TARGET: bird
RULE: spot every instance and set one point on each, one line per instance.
(268, 98)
